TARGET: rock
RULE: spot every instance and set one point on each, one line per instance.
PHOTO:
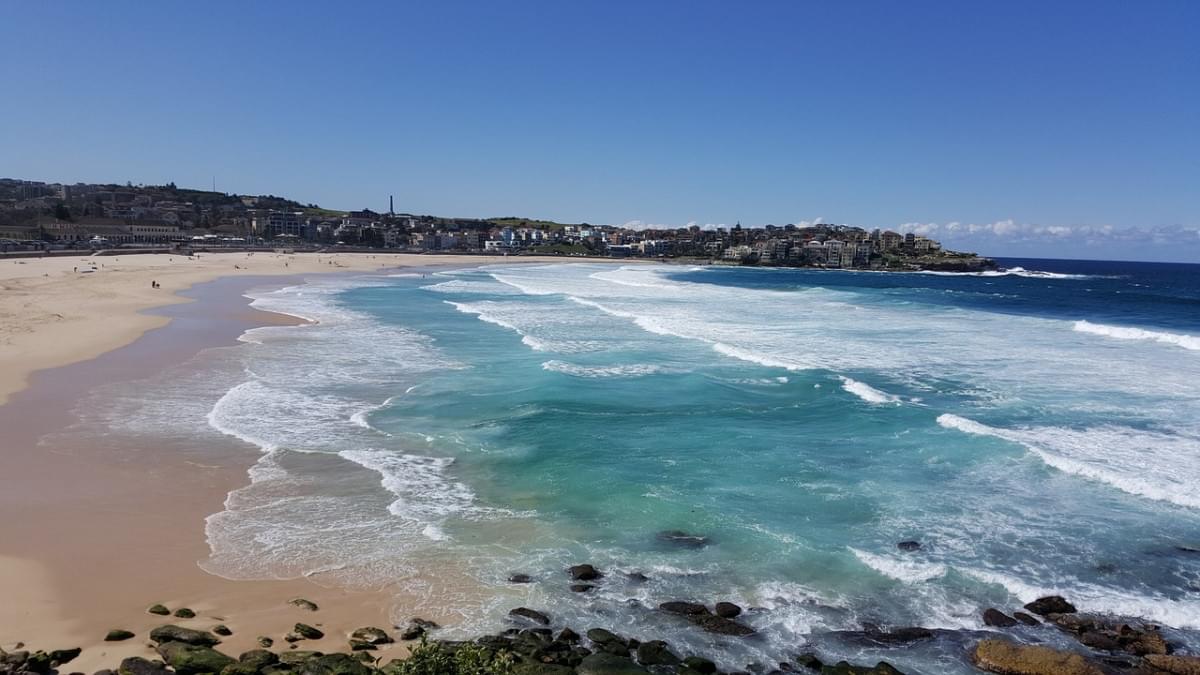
(608, 664)
(909, 546)
(416, 628)
(59, 657)
(304, 604)
(184, 613)
(1100, 640)
(136, 665)
(520, 579)
(333, 664)
(1009, 658)
(584, 573)
(686, 608)
(307, 632)
(542, 669)
(530, 615)
(901, 635)
(567, 636)
(1142, 642)
(222, 629)
(189, 636)
(188, 659)
(159, 609)
(371, 635)
(1025, 619)
(298, 656)
(362, 646)
(1175, 665)
(581, 588)
(105, 671)
(117, 635)
(683, 539)
(258, 658)
(700, 665)
(994, 617)
(844, 668)
(601, 636)
(727, 610)
(656, 653)
(1051, 604)
(810, 661)
(265, 642)
(720, 625)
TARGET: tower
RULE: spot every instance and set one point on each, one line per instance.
(391, 205)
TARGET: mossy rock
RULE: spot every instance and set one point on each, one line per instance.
(333, 664)
(118, 635)
(136, 665)
(308, 632)
(170, 633)
(184, 613)
(188, 659)
(304, 604)
(160, 610)
(222, 629)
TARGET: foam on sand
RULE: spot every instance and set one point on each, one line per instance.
(1129, 333)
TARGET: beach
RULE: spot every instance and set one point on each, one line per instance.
(92, 535)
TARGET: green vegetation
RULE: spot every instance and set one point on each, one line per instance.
(513, 221)
(561, 249)
(431, 658)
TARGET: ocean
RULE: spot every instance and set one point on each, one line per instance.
(1036, 430)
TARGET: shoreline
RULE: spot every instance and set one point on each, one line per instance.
(90, 526)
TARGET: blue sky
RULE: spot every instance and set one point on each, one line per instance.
(1010, 128)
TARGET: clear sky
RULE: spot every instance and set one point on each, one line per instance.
(1007, 127)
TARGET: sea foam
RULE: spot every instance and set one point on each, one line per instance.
(1129, 333)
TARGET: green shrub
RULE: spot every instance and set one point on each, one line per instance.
(431, 658)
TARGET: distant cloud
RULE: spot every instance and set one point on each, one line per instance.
(1008, 237)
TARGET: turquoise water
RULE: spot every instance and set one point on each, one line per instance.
(1037, 432)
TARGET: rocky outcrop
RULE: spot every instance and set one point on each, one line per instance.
(1175, 665)
(188, 659)
(1009, 658)
(996, 618)
(530, 615)
(171, 633)
(727, 610)
(1052, 604)
(584, 573)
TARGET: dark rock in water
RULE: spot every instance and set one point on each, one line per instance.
(567, 636)
(264, 641)
(656, 653)
(258, 658)
(117, 635)
(720, 625)
(727, 610)
(609, 664)
(844, 668)
(1051, 604)
(188, 659)
(1026, 619)
(700, 665)
(371, 635)
(584, 573)
(687, 608)
(415, 628)
(159, 609)
(136, 665)
(189, 636)
(519, 579)
(184, 613)
(581, 588)
(637, 577)
(909, 546)
(682, 539)
(1100, 641)
(308, 632)
(1186, 548)
(530, 614)
(1010, 658)
(604, 637)
(222, 629)
(901, 635)
(333, 664)
(303, 604)
(810, 661)
(994, 617)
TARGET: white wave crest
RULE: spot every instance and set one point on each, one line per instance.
(622, 370)
(1129, 333)
(908, 571)
(1147, 464)
(868, 393)
(1009, 272)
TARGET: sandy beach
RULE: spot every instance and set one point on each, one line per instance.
(91, 535)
